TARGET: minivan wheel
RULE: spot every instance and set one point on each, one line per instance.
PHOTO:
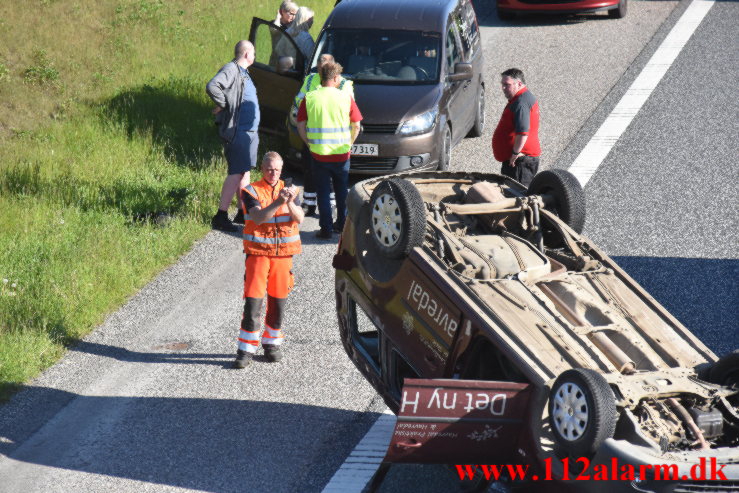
(445, 157)
(479, 125)
(398, 217)
(582, 411)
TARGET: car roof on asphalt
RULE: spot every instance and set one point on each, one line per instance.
(420, 15)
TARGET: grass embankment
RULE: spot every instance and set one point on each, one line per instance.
(110, 166)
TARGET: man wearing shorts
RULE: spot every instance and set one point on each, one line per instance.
(237, 117)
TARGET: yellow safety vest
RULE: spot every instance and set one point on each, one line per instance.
(313, 82)
(329, 128)
(278, 237)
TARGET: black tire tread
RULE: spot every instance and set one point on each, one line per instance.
(726, 370)
(412, 210)
(568, 193)
(602, 423)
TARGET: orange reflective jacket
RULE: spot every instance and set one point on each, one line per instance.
(279, 236)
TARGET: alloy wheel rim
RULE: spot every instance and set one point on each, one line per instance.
(386, 220)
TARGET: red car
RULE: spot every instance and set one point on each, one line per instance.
(508, 8)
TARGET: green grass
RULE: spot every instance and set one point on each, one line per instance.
(110, 167)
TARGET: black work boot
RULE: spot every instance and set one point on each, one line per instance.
(239, 217)
(243, 359)
(272, 353)
(221, 222)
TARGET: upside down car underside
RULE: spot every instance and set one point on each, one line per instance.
(556, 302)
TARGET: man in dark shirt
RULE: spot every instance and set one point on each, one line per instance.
(516, 139)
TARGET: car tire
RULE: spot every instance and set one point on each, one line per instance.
(582, 411)
(726, 370)
(567, 192)
(478, 127)
(445, 156)
(398, 217)
(620, 11)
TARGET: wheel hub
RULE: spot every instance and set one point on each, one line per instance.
(386, 220)
(570, 411)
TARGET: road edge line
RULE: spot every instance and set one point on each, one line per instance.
(362, 463)
(616, 123)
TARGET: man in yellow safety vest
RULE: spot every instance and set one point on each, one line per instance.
(328, 122)
(311, 83)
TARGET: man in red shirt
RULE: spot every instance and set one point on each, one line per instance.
(328, 123)
(516, 139)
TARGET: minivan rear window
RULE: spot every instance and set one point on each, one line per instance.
(383, 56)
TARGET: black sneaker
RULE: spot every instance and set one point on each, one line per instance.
(272, 353)
(242, 359)
(338, 228)
(222, 223)
(310, 210)
(324, 234)
(239, 217)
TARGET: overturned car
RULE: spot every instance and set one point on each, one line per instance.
(499, 334)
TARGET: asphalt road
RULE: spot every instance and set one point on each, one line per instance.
(147, 402)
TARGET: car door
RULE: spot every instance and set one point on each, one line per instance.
(464, 19)
(455, 105)
(422, 322)
(277, 79)
(445, 421)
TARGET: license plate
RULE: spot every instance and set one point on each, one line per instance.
(365, 149)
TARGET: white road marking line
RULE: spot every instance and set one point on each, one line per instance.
(360, 466)
(591, 157)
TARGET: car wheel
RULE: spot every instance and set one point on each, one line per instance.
(620, 11)
(445, 158)
(398, 217)
(582, 411)
(479, 125)
(726, 370)
(568, 195)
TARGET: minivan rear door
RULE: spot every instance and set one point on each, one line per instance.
(445, 421)
(276, 84)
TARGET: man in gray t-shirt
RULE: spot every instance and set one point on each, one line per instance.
(237, 116)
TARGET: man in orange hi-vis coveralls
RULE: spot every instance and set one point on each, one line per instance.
(272, 213)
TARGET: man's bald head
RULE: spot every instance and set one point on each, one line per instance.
(242, 48)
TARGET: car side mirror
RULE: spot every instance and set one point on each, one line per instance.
(462, 71)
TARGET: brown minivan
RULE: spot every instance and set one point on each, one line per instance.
(417, 72)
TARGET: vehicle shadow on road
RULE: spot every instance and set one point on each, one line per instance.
(192, 443)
